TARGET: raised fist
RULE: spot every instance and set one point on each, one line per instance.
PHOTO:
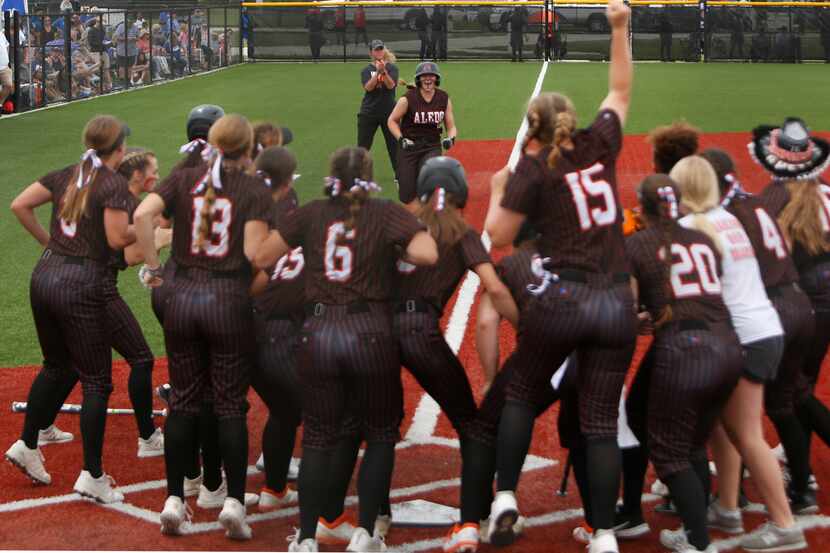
(617, 13)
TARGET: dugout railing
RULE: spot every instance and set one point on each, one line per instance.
(61, 57)
(675, 30)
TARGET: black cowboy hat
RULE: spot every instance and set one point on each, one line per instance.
(788, 151)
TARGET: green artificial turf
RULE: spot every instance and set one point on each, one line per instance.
(319, 103)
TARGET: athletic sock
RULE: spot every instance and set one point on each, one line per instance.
(64, 383)
(515, 433)
(179, 438)
(277, 446)
(634, 466)
(344, 458)
(93, 425)
(313, 481)
(140, 387)
(39, 407)
(700, 464)
(209, 442)
(603, 468)
(795, 445)
(477, 471)
(374, 480)
(818, 416)
(233, 445)
(688, 497)
(579, 463)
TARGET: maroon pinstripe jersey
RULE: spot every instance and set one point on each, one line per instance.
(86, 237)
(423, 120)
(694, 287)
(117, 260)
(518, 270)
(771, 251)
(775, 198)
(242, 198)
(437, 282)
(575, 206)
(347, 266)
(285, 292)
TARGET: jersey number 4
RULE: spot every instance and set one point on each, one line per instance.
(218, 238)
(338, 259)
(694, 271)
(772, 237)
(583, 185)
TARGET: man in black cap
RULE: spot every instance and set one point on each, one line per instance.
(379, 78)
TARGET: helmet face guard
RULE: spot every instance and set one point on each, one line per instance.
(427, 68)
(443, 172)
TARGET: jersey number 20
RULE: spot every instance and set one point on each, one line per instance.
(582, 185)
(693, 271)
(218, 238)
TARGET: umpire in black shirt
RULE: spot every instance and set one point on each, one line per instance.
(380, 78)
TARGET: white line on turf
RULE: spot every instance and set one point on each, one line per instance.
(426, 414)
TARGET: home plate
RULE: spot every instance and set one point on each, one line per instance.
(419, 512)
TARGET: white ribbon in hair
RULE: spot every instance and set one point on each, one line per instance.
(367, 185)
(735, 188)
(667, 193)
(440, 199)
(191, 146)
(264, 176)
(213, 156)
(547, 278)
(89, 155)
(334, 186)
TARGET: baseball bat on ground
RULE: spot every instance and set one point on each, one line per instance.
(20, 407)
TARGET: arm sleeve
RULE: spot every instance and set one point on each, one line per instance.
(261, 204)
(365, 75)
(114, 193)
(608, 128)
(167, 190)
(472, 250)
(55, 179)
(392, 70)
(292, 228)
(400, 225)
(523, 186)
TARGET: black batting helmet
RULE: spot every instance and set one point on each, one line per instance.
(443, 172)
(427, 68)
(200, 119)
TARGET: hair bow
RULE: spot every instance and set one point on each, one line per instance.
(666, 193)
(89, 155)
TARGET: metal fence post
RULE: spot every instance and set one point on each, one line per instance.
(702, 27)
(67, 52)
(150, 56)
(127, 77)
(190, 42)
(226, 41)
(101, 55)
(548, 27)
(209, 43)
(242, 38)
(43, 99)
(16, 60)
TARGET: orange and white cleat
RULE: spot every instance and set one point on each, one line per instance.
(463, 538)
(337, 532)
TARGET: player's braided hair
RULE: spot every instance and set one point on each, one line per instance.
(136, 159)
(699, 186)
(348, 165)
(441, 215)
(671, 143)
(659, 197)
(232, 138)
(551, 120)
(104, 134)
(800, 220)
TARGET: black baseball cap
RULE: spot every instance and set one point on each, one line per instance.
(377, 44)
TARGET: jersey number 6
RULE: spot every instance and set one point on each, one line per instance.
(338, 259)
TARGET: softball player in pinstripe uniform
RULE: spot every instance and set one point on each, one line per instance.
(279, 303)
(349, 361)
(140, 169)
(795, 310)
(739, 435)
(220, 218)
(694, 361)
(89, 218)
(565, 184)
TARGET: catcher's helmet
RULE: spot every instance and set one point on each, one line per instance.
(200, 119)
(427, 68)
(443, 172)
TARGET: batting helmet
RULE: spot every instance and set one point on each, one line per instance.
(200, 119)
(427, 68)
(443, 172)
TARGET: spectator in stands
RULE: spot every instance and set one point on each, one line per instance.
(76, 28)
(125, 38)
(84, 74)
(49, 33)
(666, 29)
(66, 7)
(141, 69)
(421, 25)
(518, 24)
(176, 56)
(6, 81)
(360, 26)
(314, 24)
(440, 28)
(246, 24)
(98, 52)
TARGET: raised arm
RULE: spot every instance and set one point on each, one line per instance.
(24, 205)
(621, 71)
(394, 121)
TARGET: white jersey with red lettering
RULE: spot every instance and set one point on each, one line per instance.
(753, 315)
